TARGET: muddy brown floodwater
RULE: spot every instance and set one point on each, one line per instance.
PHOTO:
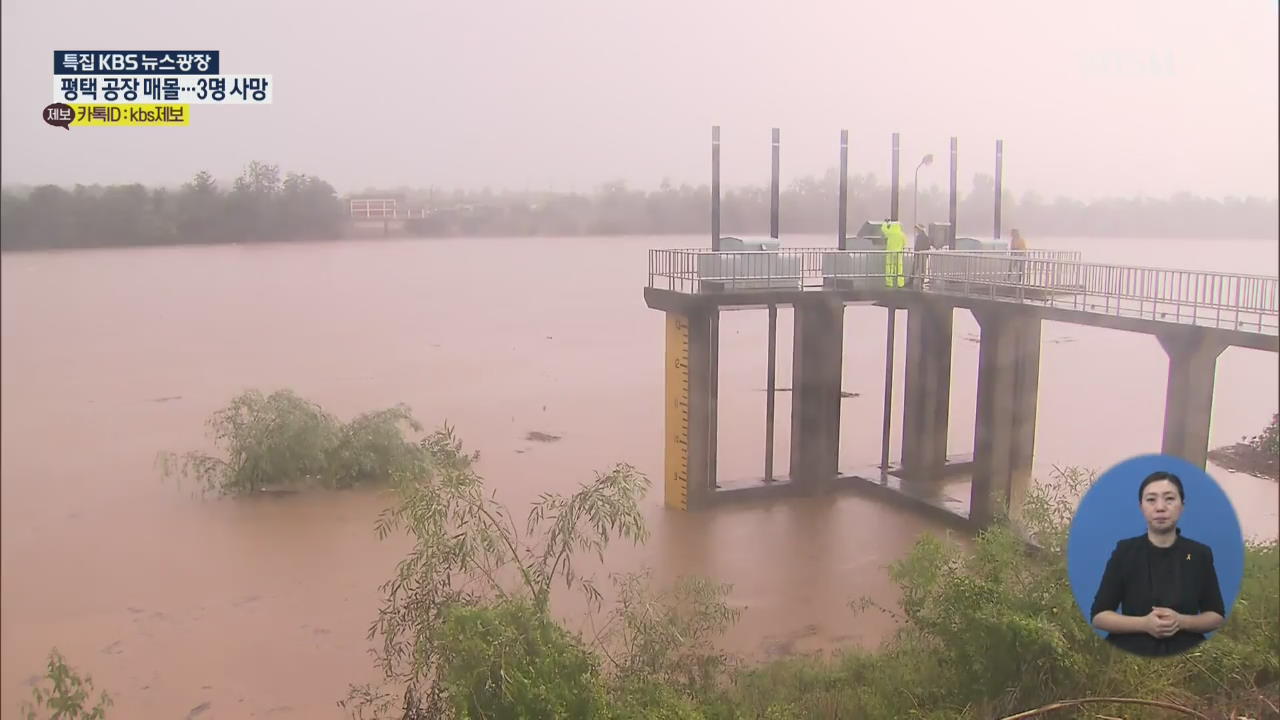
(259, 607)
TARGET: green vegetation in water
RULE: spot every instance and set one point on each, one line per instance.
(64, 695)
(282, 441)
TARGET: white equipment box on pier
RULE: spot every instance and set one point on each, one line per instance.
(750, 264)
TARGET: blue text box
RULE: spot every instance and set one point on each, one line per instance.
(135, 62)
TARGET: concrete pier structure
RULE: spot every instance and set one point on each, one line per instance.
(1010, 318)
(1188, 409)
(815, 404)
(1194, 314)
(927, 389)
(1005, 426)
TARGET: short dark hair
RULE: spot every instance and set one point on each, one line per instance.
(1162, 475)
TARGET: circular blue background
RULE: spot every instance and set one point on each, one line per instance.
(1109, 512)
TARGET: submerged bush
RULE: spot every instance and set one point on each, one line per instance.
(284, 441)
(372, 449)
(67, 696)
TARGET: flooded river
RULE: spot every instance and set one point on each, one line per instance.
(260, 607)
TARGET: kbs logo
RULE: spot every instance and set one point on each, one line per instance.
(116, 63)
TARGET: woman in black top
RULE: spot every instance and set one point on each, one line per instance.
(1164, 584)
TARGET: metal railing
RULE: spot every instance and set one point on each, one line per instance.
(1211, 299)
(703, 270)
(1045, 277)
(377, 213)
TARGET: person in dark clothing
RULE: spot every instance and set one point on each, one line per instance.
(1163, 584)
(922, 239)
(920, 261)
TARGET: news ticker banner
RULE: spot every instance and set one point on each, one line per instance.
(144, 87)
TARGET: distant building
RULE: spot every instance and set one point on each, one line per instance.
(374, 206)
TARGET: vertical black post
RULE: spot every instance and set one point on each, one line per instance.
(715, 187)
(774, 190)
(893, 182)
(888, 395)
(714, 380)
(773, 316)
(951, 211)
(769, 410)
(842, 222)
(713, 419)
(999, 184)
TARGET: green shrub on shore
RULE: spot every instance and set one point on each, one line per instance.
(511, 660)
(466, 627)
(993, 630)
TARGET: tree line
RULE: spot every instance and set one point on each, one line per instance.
(263, 205)
(810, 205)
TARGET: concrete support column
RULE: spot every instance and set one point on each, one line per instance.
(815, 389)
(1188, 404)
(1005, 427)
(927, 392)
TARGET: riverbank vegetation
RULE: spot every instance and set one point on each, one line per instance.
(266, 204)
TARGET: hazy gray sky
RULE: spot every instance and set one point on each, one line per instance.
(1092, 97)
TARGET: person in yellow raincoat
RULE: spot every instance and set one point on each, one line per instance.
(895, 243)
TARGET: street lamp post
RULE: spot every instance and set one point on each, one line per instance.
(915, 187)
